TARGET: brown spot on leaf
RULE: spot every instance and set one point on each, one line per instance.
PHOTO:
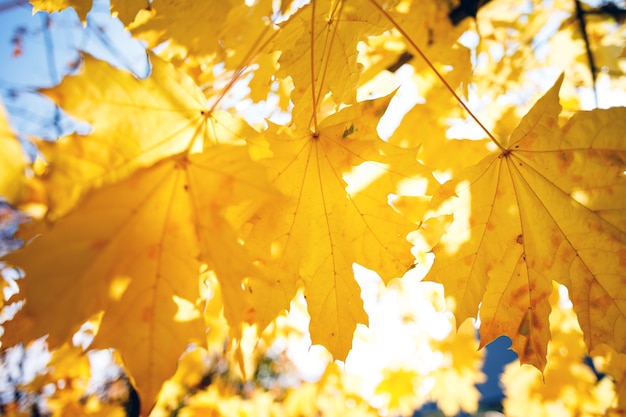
(555, 240)
(596, 227)
(518, 294)
(147, 314)
(529, 350)
(565, 160)
(567, 256)
(152, 251)
(250, 315)
(613, 158)
(525, 325)
(99, 244)
(529, 139)
(601, 302)
(520, 239)
(536, 320)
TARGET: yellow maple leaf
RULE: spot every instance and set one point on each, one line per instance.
(192, 367)
(427, 25)
(400, 387)
(82, 7)
(548, 206)
(12, 162)
(68, 371)
(334, 212)
(135, 250)
(126, 10)
(69, 363)
(333, 395)
(567, 386)
(319, 52)
(461, 370)
(609, 362)
(199, 33)
(435, 149)
(208, 29)
(134, 124)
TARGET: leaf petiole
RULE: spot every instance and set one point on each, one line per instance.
(437, 73)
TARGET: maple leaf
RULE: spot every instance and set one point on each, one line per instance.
(399, 387)
(439, 152)
(319, 52)
(200, 33)
(425, 25)
(149, 212)
(12, 162)
(461, 370)
(69, 371)
(607, 361)
(134, 124)
(548, 206)
(126, 10)
(82, 7)
(207, 29)
(134, 250)
(567, 384)
(334, 212)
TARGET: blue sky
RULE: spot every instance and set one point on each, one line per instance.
(37, 51)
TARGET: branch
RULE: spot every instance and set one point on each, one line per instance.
(467, 8)
(580, 15)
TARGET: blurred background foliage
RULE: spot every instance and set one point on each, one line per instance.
(410, 360)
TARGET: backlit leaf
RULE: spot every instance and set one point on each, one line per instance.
(334, 212)
(137, 248)
(135, 123)
(126, 10)
(567, 385)
(547, 207)
(12, 162)
(462, 362)
(207, 29)
(319, 52)
(82, 7)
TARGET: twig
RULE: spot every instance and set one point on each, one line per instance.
(580, 15)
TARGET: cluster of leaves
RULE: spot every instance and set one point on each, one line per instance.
(568, 387)
(411, 326)
(174, 209)
(64, 389)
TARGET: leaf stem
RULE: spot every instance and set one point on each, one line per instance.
(258, 45)
(313, 96)
(437, 73)
(335, 15)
